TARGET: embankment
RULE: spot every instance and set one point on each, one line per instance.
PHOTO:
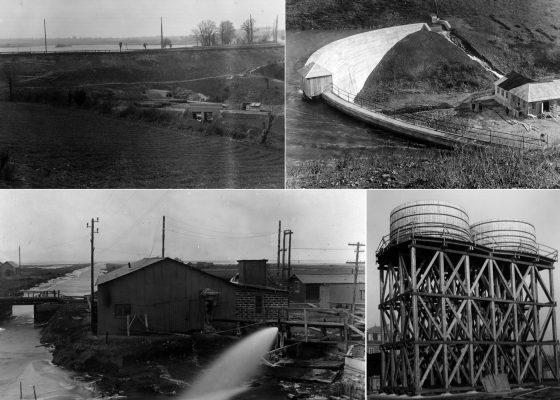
(121, 364)
(33, 276)
(75, 69)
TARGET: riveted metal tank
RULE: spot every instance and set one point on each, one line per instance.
(429, 218)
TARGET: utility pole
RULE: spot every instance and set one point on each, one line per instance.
(19, 259)
(356, 266)
(161, 26)
(163, 239)
(276, 30)
(251, 28)
(45, 29)
(93, 232)
(283, 256)
(289, 253)
(278, 256)
(437, 12)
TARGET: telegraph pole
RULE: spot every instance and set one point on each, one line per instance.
(161, 27)
(45, 29)
(356, 266)
(163, 239)
(19, 260)
(93, 232)
(283, 255)
(289, 252)
(278, 256)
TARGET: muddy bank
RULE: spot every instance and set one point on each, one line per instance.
(120, 364)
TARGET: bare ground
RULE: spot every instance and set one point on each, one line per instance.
(72, 148)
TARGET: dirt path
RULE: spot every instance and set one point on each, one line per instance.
(69, 148)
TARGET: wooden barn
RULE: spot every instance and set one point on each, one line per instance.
(314, 80)
(9, 268)
(166, 295)
(327, 290)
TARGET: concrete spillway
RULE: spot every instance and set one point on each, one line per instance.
(339, 70)
(351, 60)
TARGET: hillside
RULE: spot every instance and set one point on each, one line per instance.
(424, 62)
(68, 69)
(511, 34)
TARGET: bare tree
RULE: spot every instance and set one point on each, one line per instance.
(207, 33)
(227, 32)
(247, 26)
(120, 46)
(145, 45)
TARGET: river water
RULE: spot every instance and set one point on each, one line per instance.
(23, 358)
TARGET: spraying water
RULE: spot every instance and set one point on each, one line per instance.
(226, 376)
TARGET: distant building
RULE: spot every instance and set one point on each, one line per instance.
(166, 295)
(373, 358)
(523, 96)
(327, 290)
(9, 268)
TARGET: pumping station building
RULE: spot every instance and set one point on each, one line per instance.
(464, 306)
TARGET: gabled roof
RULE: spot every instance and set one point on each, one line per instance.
(328, 279)
(12, 264)
(538, 91)
(146, 262)
(513, 80)
(313, 70)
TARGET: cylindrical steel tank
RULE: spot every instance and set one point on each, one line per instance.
(505, 235)
(431, 218)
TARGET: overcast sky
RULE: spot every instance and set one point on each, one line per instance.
(128, 18)
(538, 207)
(213, 225)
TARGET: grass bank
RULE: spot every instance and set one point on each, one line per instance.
(119, 364)
(429, 168)
(32, 276)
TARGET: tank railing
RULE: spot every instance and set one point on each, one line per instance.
(456, 130)
(441, 230)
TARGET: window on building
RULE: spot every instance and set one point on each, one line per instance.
(312, 291)
(259, 304)
(362, 294)
(122, 310)
(297, 286)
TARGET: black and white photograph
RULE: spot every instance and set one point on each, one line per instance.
(182, 294)
(461, 294)
(142, 94)
(430, 94)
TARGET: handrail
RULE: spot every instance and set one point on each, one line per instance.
(440, 230)
(450, 128)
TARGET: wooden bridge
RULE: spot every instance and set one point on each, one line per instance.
(32, 297)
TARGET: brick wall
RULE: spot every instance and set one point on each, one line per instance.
(245, 304)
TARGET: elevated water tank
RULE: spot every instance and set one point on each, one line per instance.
(431, 218)
(505, 235)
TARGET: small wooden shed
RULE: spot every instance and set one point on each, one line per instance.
(315, 80)
(327, 290)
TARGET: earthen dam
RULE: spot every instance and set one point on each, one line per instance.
(338, 71)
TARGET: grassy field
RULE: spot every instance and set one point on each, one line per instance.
(32, 276)
(54, 147)
(430, 168)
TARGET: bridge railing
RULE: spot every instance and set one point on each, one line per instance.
(40, 293)
(453, 129)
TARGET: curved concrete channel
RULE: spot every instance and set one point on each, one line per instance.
(352, 59)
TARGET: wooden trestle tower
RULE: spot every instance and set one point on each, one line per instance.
(453, 312)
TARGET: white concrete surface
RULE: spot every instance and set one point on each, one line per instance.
(351, 60)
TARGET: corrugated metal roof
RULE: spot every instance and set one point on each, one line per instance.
(313, 70)
(513, 80)
(329, 279)
(538, 91)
